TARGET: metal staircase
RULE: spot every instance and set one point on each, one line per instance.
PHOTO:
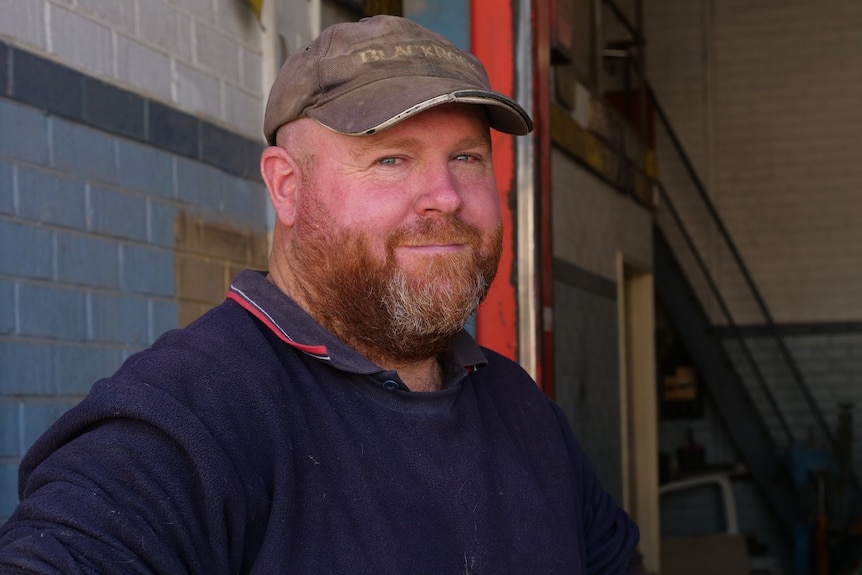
(747, 368)
(750, 374)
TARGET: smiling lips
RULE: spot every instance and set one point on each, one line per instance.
(435, 248)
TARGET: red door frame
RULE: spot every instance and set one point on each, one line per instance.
(493, 40)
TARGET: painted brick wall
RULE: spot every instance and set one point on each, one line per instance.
(764, 97)
(201, 56)
(586, 367)
(593, 223)
(788, 173)
(101, 210)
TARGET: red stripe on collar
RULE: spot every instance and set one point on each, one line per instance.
(249, 306)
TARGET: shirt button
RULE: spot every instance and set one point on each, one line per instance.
(390, 385)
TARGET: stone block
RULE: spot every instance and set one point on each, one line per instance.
(200, 279)
(33, 262)
(118, 214)
(88, 260)
(84, 43)
(145, 169)
(148, 270)
(113, 109)
(27, 368)
(84, 152)
(119, 319)
(80, 366)
(144, 67)
(48, 312)
(25, 133)
(48, 198)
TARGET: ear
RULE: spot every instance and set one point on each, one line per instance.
(282, 177)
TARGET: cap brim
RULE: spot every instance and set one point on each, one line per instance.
(369, 108)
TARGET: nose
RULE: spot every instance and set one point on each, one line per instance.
(440, 192)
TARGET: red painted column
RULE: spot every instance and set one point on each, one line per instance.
(493, 42)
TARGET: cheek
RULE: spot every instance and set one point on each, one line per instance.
(484, 208)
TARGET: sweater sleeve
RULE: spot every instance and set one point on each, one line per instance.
(610, 536)
(127, 482)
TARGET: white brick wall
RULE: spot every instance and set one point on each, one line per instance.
(24, 20)
(203, 56)
(166, 27)
(593, 222)
(766, 95)
(81, 42)
(144, 69)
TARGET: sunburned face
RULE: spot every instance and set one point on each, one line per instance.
(397, 235)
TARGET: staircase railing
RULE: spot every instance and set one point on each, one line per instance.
(715, 267)
(722, 241)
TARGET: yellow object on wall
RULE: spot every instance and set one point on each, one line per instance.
(256, 7)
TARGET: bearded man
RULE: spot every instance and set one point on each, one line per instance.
(333, 416)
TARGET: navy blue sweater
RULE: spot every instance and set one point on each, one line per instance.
(254, 442)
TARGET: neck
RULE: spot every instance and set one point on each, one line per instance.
(425, 375)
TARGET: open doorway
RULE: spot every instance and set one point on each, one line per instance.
(639, 405)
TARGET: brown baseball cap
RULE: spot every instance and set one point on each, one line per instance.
(362, 77)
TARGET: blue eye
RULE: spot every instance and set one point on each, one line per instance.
(388, 161)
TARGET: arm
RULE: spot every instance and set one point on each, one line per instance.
(610, 536)
(129, 483)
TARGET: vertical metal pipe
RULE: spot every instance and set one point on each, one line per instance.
(541, 176)
(528, 299)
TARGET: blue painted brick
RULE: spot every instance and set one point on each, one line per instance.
(79, 367)
(84, 152)
(119, 319)
(27, 368)
(7, 188)
(162, 216)
(172, 130)
(145, 169)
(148, 270)
(447, 17)
(220, 147)
(24, 133)
(7, 307)
(164, 317)
(201, 185)
(36, 261)
(87, 260)
(118, 214)
(46, 198)
(8, 489)
(246, 204)
(47, 85)
(52, 313)
(4, 69)
(10, 438)
(37, 417)
(113, 109)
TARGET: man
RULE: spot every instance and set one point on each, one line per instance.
(332, 416)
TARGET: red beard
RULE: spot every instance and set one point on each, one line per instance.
(386, 312)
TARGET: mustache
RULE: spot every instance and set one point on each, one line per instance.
(435, 231)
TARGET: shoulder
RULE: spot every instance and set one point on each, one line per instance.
(226, 342)
(506, 377)
(203, 385)
(505, 387)
(216, 370)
